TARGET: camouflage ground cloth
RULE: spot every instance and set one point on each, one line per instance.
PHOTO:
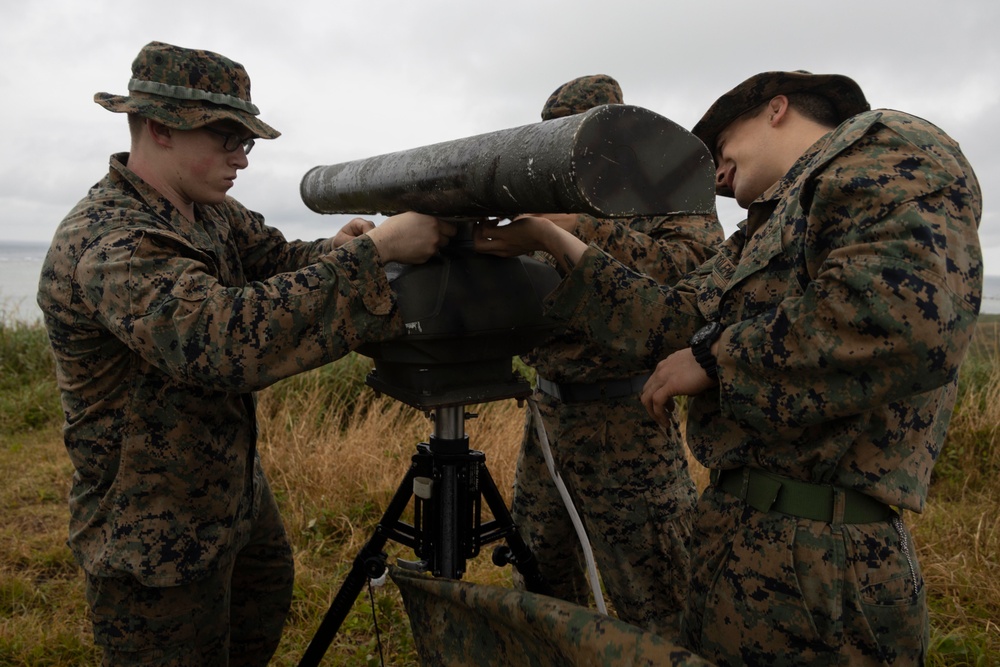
(458, 623)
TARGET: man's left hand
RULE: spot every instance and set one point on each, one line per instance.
(352, 230)
(680, 374)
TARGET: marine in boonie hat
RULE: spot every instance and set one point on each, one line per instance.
(188, 88)
(581, 94)
(844, 93)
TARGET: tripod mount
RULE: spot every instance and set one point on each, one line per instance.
(448, 483)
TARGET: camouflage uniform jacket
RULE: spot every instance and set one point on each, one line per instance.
(849, 297)
(664, 248)
(162, 329)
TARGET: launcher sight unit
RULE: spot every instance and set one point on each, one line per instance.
(467, 313)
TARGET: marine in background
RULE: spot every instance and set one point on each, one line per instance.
(627, 475)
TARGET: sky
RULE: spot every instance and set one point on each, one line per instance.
(348, 80)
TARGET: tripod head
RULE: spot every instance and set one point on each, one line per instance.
(467, 314)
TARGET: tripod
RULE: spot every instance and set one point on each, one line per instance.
(448, 482)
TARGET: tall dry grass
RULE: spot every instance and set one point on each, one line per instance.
(337, 467)
(958, 535)
(336, 453)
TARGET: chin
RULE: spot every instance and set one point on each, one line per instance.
(744, 198)
(217, 198)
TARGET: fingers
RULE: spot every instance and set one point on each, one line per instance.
(446, 229)
(358, 226)
(650, 397)
(660, 407)
(658, 393)
(488, 237)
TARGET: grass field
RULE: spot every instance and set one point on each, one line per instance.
(335, 454)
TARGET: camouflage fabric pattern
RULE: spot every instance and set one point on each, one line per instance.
(581, 94)
(639, 529)
(458, 623)
(803, 592)
(161, 331)
(844, 93)
(849, 297)
(187, 89)
(663, 247)
(233, 617)
(631, 486)
(627, 478)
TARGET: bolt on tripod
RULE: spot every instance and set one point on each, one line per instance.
(448, 482)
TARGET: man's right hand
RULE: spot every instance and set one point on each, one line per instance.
(527, 233)
(410, 238)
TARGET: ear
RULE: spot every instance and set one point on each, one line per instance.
(777, 109)
(159, 133)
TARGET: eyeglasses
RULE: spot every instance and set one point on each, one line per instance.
(232, 141)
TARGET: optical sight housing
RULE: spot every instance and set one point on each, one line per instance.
(467, 313)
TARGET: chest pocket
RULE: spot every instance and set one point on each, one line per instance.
(766, 273)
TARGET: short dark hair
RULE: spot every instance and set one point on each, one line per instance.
(815, 107)
(135, 123)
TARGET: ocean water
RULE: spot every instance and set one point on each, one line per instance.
(21, 262)
(20, 265)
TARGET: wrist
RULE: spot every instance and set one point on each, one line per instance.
(705, 345)
(382, 245)
(564, 246)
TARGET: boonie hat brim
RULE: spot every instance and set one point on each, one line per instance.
(183, 114)
(843, 92)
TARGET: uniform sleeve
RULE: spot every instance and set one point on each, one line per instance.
(663, 247)
(628, 313)
(264, 249)
(892, 246)
(160, 296)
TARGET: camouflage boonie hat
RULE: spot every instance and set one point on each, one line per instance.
(186, 89)
(581, 94)
(844, 93)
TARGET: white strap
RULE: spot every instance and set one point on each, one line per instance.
(588, 553)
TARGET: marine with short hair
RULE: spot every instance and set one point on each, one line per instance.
(820, 348)
(628, 477)
(168, 304)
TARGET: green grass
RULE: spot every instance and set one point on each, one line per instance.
(335, 454)
(28, 396)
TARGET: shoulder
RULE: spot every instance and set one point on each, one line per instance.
(899, 155)
(900, 133)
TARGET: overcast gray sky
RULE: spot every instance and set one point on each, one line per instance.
(348, 80)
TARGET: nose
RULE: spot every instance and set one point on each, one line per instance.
(239, 158)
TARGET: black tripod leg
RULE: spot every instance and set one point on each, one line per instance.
(518, 554)
(370, 562)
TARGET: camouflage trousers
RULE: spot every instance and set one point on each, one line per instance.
(771, 589)
(630, 483)
(233, 617)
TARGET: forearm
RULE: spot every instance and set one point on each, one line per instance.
(241, 338)
(664, 247)
(628, 313)
(263, 249)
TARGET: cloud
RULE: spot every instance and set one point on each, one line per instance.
(344, 81)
